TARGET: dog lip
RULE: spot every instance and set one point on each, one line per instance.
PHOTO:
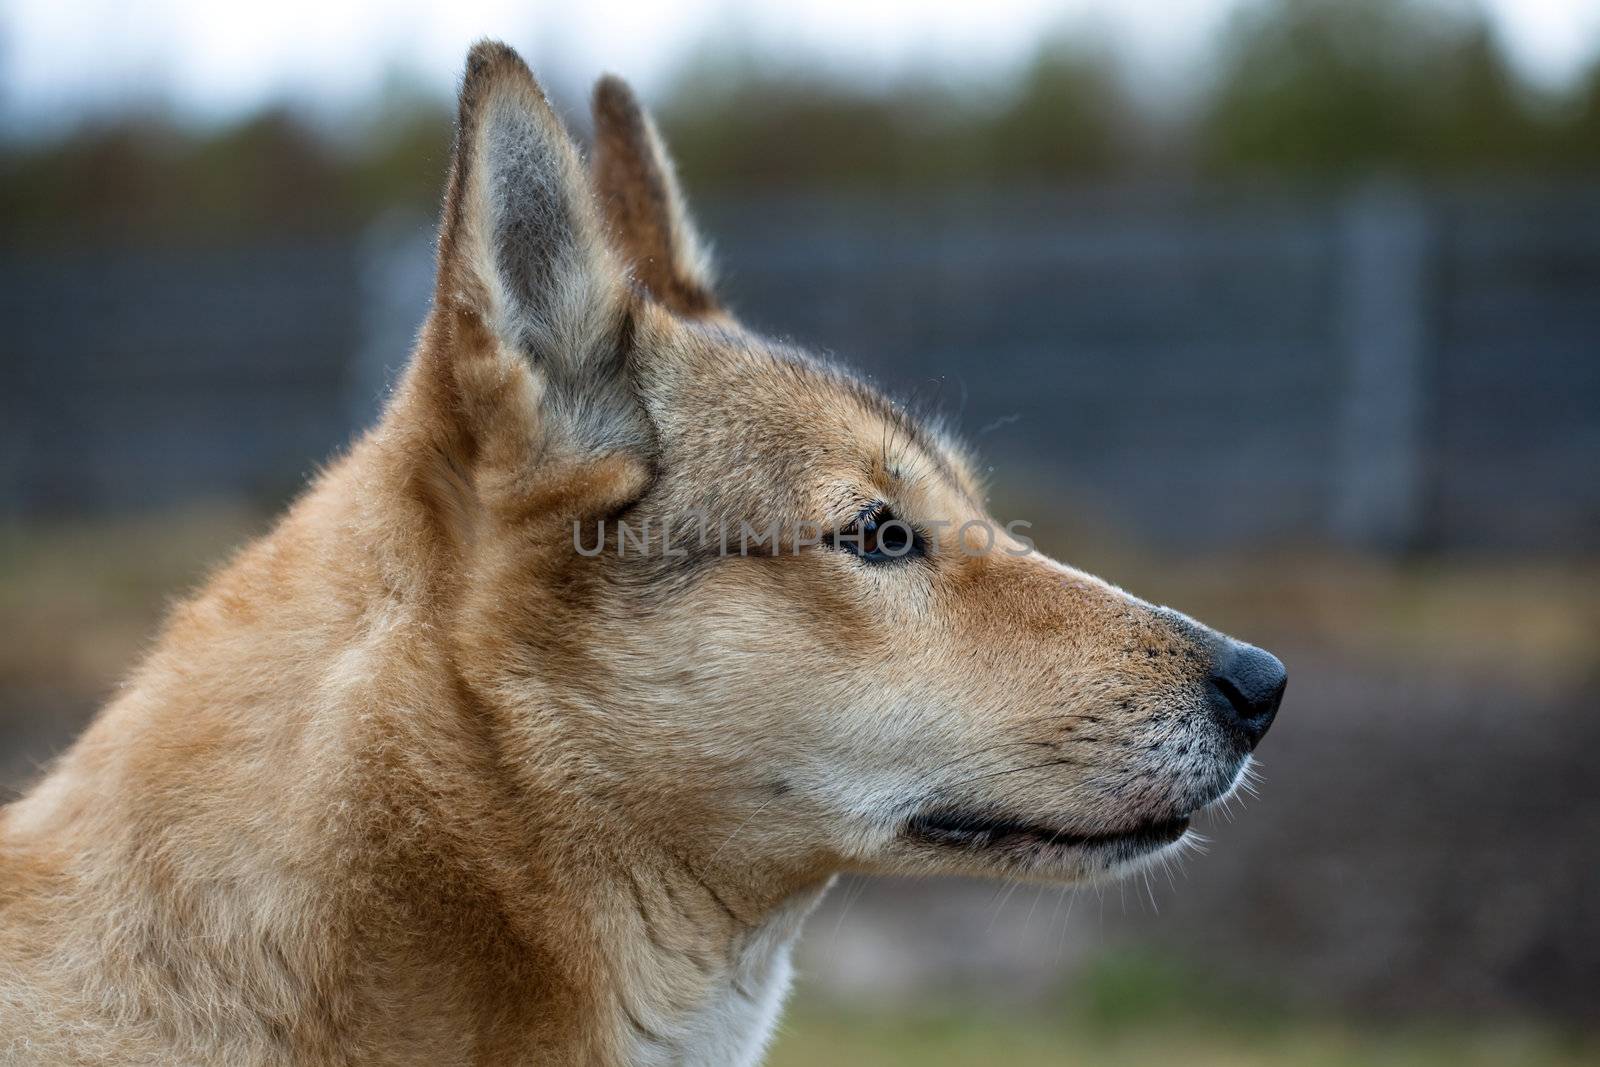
(960, 829)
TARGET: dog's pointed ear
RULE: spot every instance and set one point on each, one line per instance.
(639, 193)
(521, 243)
(523, 257)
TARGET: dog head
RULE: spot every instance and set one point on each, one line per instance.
(727, 593)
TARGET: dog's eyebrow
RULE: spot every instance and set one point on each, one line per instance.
(912, 430)
(933, 443)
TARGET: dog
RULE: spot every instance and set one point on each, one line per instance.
(535, 728)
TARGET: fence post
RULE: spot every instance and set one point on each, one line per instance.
(1384, 246)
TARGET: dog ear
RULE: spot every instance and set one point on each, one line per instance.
(639, 193)
(523, 256)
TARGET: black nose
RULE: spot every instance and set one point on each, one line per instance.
(1246, 688)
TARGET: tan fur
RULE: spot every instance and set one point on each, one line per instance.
(638, 189)
(413, 781)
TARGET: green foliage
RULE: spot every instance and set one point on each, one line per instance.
(1068, 116)
(736, 122)
(145, 179)
(398, 157)
(1122, 990)
(1135, 1009)
(1326, 87)
(1579, 148)
(1302, 89)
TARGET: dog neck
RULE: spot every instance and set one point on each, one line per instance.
(644, 957)
(683, 959)
(584, 931)
(698, 986)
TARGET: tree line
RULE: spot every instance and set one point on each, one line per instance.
(1297, 91)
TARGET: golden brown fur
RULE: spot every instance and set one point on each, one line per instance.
(414, 781)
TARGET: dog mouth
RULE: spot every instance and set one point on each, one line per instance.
(976, 832)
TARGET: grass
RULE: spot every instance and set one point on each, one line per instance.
(818, 1034)
(1130, 1010)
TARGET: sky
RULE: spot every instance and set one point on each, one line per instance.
(62, 59)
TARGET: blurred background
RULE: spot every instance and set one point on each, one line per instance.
(1283, 312)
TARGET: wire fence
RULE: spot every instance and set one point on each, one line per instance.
(1390, 368)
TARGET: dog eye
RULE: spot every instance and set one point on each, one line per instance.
(876, 536)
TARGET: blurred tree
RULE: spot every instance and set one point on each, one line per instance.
(1316, 89)
(1579, 143)
(735, 121)
(102, 180)
(397, 156)
(270, 173)
(1069, 116)
(141, 178)
(1326, 87)
(1477, 116)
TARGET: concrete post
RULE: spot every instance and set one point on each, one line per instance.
(1384, 248)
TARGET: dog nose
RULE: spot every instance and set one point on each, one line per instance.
(1247, 686)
